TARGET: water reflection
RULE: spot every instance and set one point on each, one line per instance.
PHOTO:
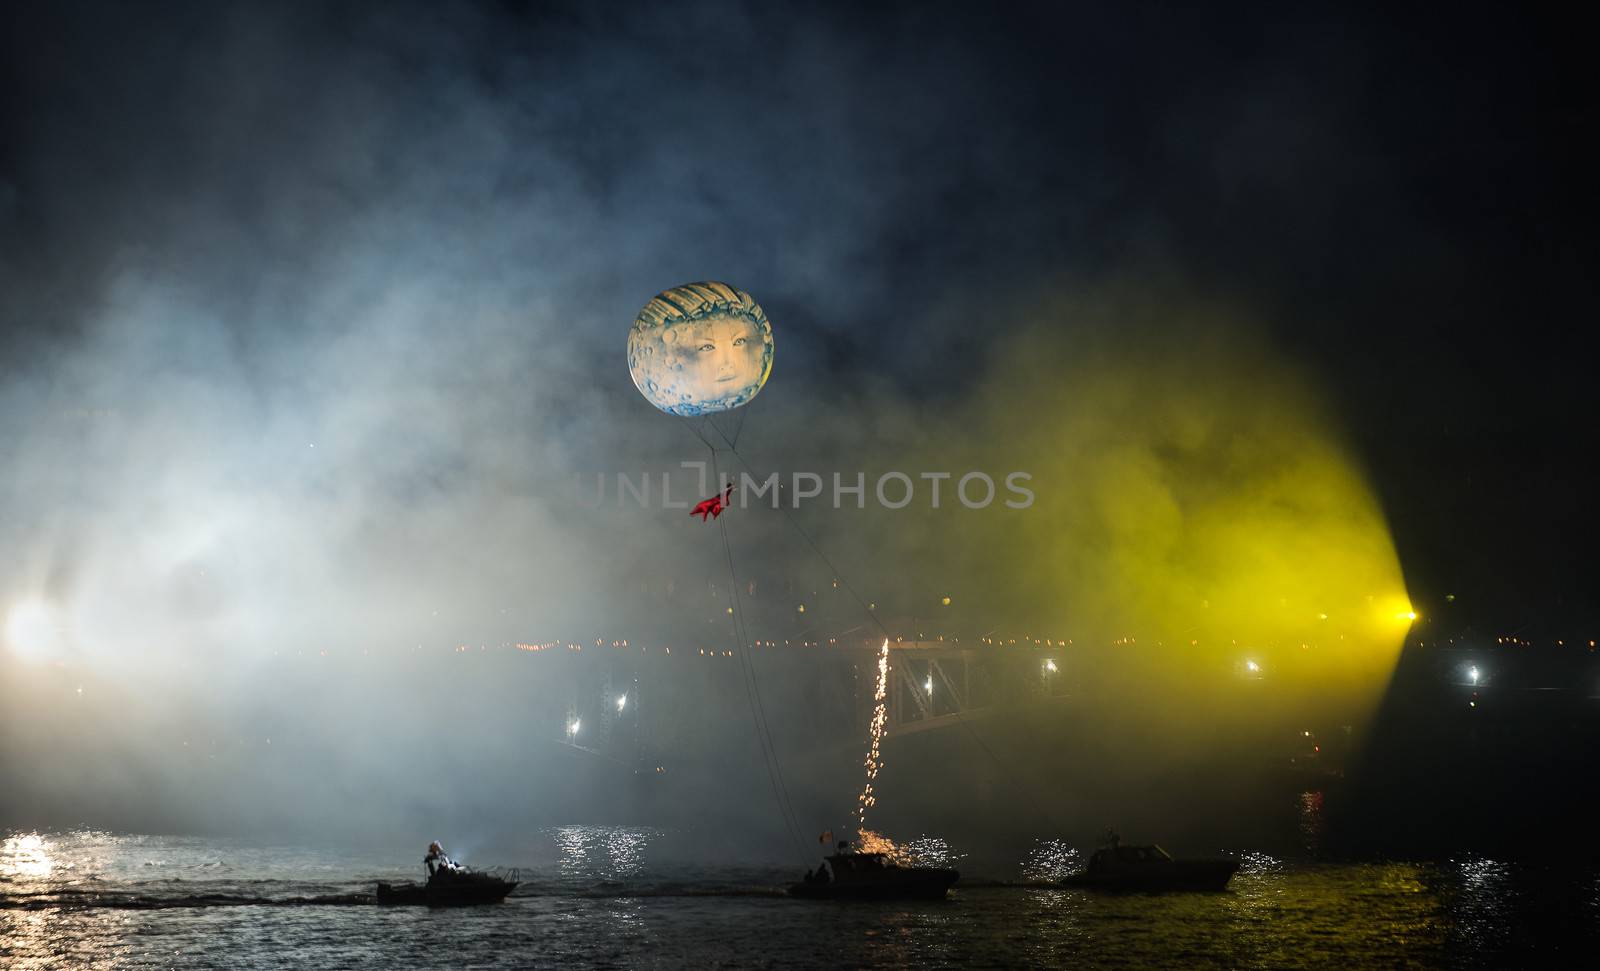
(25, 856)
(1481, 876)
(45, 936)
(1311, 821)
(605, 852)
(621, 897)
(1483, 899)
(1258, 863)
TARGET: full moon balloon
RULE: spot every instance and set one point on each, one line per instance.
(700, 348)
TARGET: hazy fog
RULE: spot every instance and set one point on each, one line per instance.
(314, 341)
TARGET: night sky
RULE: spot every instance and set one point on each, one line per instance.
(1402, 201)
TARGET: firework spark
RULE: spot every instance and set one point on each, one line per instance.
(880, 718)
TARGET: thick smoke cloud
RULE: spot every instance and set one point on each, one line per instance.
(321, 316)
(313, 319)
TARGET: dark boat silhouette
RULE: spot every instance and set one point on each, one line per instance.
(1150, 869)
(450, 888)
(873, 876)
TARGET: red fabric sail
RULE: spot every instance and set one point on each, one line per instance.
(709, 509)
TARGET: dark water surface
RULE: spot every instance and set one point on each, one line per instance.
(608, 897)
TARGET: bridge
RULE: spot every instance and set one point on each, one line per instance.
(937, 684)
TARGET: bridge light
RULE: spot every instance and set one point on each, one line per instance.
(928, 685)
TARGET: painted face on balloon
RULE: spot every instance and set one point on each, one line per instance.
(700, 349)
(719, 354)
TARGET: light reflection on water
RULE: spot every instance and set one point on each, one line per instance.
(615, 896)
(1483, 898)
(24, 856)
(1311, 821)
(1251, 863)
(603, 852)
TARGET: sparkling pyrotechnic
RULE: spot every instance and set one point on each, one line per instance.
(880, 720)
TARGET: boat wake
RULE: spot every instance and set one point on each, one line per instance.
(163, 896)
(134, 900)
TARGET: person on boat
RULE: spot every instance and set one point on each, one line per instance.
(843, 859)
(437, 862)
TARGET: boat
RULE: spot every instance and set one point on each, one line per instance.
(1150, 869)
(451, 888)
(874, 876)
